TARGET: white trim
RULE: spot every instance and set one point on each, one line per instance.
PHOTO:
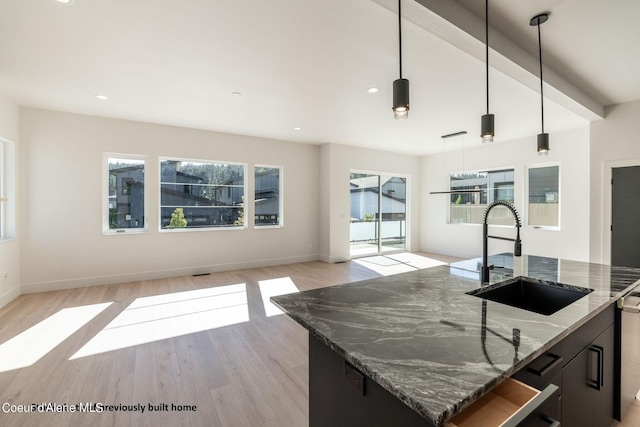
(407, 208)
(8, 188)
(9, 296)
(607, 203)
(105, 195)
(526, 197)
(3, 199)
(280, 197)
(159, 274)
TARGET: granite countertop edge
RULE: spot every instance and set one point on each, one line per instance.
(439, 417)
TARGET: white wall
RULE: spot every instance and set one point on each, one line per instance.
(615, 142)
(63, 245)
(569, 148)
(337, 162)
(10, 249)
(60, 242)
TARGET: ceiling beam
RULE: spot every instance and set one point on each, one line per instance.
(454, 24)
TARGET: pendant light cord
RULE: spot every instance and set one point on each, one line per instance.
(486, 38)
(400, 33)
(541, 80)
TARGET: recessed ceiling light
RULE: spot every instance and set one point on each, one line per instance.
(297, 128)
(102, 97)
(236, 93)
(64, 1)
(372, 90)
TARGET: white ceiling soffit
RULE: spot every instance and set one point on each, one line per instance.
(454, 24)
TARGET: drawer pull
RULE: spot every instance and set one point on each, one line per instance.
(354, 377)
(598, 383)
(552, 422)
(555, 360)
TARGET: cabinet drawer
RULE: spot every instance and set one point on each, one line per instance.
(541, 371)
(582, 337)
(511, 403)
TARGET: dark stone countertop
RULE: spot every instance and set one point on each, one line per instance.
(418, 334)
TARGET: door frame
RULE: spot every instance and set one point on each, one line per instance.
(607, 203)
(407, 208)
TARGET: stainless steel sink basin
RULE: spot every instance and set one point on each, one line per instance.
(533, 295)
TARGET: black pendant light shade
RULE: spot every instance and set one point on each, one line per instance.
(543, 144)
(487, 128)
(543, 138)
(400, 86)
(401, 99)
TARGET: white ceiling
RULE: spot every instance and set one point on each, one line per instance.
(308, 64)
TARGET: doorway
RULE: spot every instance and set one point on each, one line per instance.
(378, 213)
(625, 226)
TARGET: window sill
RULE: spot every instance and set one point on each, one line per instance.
(543, 227)
(196, 230)
(120, 231)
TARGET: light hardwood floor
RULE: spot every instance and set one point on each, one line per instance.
(169, 341)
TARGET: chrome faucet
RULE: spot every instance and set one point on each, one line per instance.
(517, 247)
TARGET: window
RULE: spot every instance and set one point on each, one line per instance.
(197, 194)
(3, 198)
(543, 196)
(125, 208)
(469, 208)
(7, 190)
(267, 201)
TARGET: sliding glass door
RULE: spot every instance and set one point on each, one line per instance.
(378, 213)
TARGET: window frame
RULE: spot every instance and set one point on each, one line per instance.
(106, 178)
(7, 190)
(247, 211)
(280, 223)
(526, 196)
(3, 198)
(482, 170)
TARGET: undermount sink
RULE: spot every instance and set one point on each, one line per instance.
(533, 295)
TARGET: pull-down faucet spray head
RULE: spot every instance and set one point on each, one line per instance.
(517, 243)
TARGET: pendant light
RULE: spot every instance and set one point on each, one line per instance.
(487, 127)
(400, 86)
(543, 138)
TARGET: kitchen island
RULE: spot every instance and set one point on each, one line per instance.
(422, 339)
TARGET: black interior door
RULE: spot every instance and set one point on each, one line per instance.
(625, 225)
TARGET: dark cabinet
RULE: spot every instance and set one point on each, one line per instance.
(588, 384)
(582, 366)
(342, 396)
(574, 378)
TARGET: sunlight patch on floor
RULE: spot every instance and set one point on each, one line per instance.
(31, 345)
(272, 288)
(387, 265)
(159, 317)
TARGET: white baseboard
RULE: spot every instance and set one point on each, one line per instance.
(9, 296)
(57, 285)
(334, 259)
(453, 253)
